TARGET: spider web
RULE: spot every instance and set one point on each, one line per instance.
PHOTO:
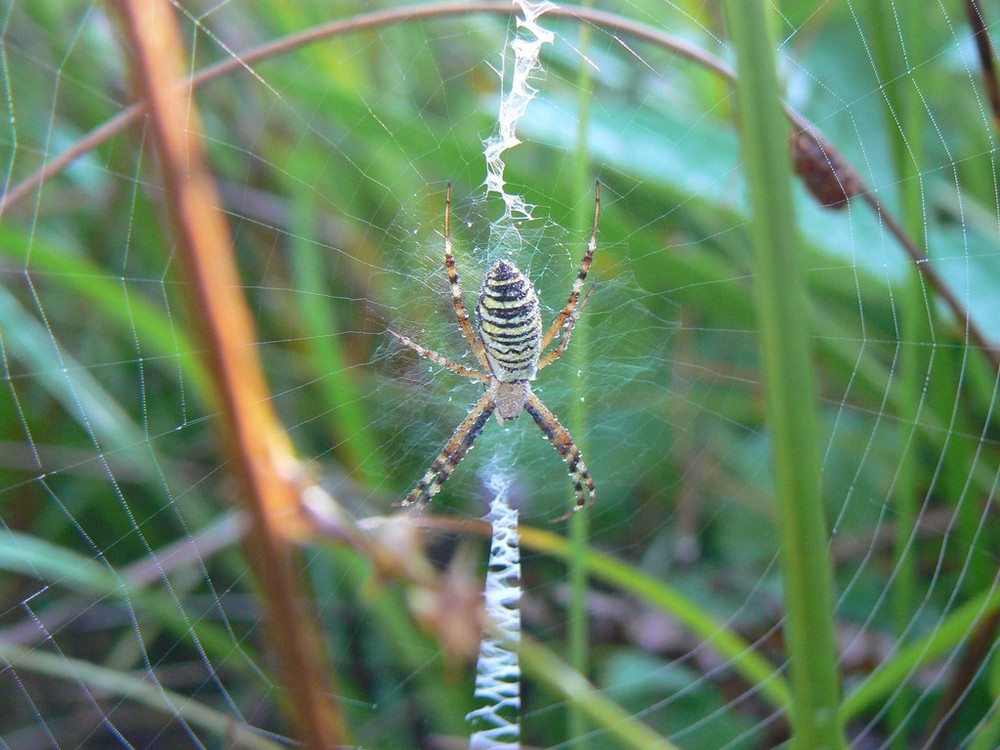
(129, 612)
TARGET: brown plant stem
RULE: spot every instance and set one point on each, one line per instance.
(984, 47)
(259, 450)
(608, 21)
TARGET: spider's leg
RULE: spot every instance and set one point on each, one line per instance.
(433, 356)
(452, 453)
(563, 442)
(574, 296)
(556, 353)
(456, 288)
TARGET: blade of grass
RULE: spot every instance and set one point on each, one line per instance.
(323, 338)
(893, 39)
(543, 665)
(577, 626)
(948, 636)
(790, 394)
(739, 654)
(139, 690)
(56, 565)
(86, 401)
(133, 315)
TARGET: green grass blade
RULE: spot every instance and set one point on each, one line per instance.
(903, 108)
(547, 668)
(57, 565)
(70, 383)
(790, 394)
(577, 626)
(740, 655)
(943, 640)
(100, 290)
(138, 689)
(325, 343)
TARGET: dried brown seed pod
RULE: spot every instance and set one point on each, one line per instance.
(830, 179)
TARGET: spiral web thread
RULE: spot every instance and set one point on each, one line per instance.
(498, 674)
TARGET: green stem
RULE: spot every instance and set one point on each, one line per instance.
(902, 111)
(547, 668)
(324, 340)
(578, 631)
(947, 636)
(136, 690)
(782, 307)
(742, 658)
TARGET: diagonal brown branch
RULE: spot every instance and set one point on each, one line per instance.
(258, 447)
(981, 34)
(362, 21)
(609, 21)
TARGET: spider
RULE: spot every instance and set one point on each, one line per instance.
(509, 344)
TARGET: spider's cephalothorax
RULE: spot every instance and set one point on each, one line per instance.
(509, 344)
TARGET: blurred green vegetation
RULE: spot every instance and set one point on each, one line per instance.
(332, 160)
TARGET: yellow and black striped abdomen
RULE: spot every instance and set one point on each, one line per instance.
(510, 323)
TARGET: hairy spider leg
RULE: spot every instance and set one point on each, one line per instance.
(563, 442)
(453, 452)
(433, 356)
(456, 289)
(556, 353)
(564, 316)
(510, 332)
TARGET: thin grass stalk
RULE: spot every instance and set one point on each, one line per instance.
(577, 626)
(891, 43)
(783, 313)
(738, 653)
(988, 735)
(915, 362)
(949, 635)
(348, 419)
(549, 670)
(259, 448)
(136, 690)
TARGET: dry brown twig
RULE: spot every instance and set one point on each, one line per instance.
(259, 449)
(608, 21)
